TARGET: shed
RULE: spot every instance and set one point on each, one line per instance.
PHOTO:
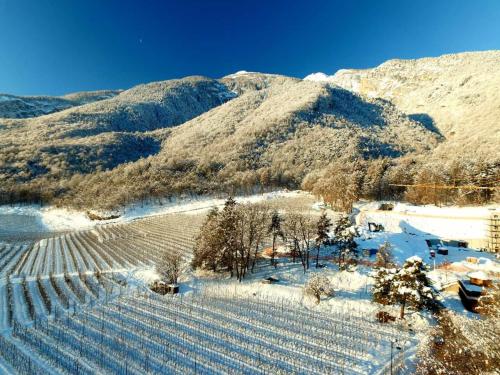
(163, 288)
(386, 207)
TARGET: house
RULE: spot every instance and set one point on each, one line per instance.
(480, 278)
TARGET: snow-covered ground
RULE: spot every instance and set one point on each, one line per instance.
(458, 223)
(403, 229)
(407, 227)
(46, 219)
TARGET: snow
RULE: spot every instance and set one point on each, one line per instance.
(45, 219)
(460, 223)
(239, 73)
(146, 275)
(352, 288)
(480, 275)
(318, 77)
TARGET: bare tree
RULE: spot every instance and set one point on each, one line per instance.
(300, 230)
(317, 286)
(170, 267)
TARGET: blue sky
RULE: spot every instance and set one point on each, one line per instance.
(61, 46)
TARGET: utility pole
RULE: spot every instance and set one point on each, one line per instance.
(392, 345)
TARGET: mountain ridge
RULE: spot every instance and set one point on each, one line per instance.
(203, 135)
(455, 93)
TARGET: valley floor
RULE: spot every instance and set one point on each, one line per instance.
(92, 284)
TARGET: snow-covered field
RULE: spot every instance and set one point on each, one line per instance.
(47, 219)
(458, 223)
(216, 325)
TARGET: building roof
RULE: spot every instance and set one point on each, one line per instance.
(480, 275)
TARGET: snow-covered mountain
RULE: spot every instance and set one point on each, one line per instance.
(456, 94)
(12, 106)
(200, 135)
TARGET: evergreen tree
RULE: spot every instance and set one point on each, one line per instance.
(384, 258)
(229, 220)
(207, 251)
(382, 285)
(345, 233)
(410, 286)
(276, 232)
(322, 228)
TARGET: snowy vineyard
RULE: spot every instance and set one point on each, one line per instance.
(146, 333)
(78, 267)
(66, 307)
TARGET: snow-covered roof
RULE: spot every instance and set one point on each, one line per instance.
(480, 275)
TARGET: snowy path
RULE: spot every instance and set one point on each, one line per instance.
(4, 306)
(20, 305)
(39, 308)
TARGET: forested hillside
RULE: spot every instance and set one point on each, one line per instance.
(387, 126)
(101, 135)
(12, 106)
(455, 94)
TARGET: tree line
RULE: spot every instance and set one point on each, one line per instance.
(344, 182)
(340, 183)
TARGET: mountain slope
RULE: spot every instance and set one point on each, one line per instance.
(456, 94)
(431, 120)
(108, 132)
(269, 137)
(12, 106)
(242, 82)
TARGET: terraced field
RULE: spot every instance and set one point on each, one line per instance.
(75, 268)
(199, 334)
(66, 308)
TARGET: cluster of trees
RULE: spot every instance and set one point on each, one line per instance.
(340, 184)
(231, 239)
(406, 286)
(440, 182)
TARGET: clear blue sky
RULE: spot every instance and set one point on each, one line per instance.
(61, 46)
